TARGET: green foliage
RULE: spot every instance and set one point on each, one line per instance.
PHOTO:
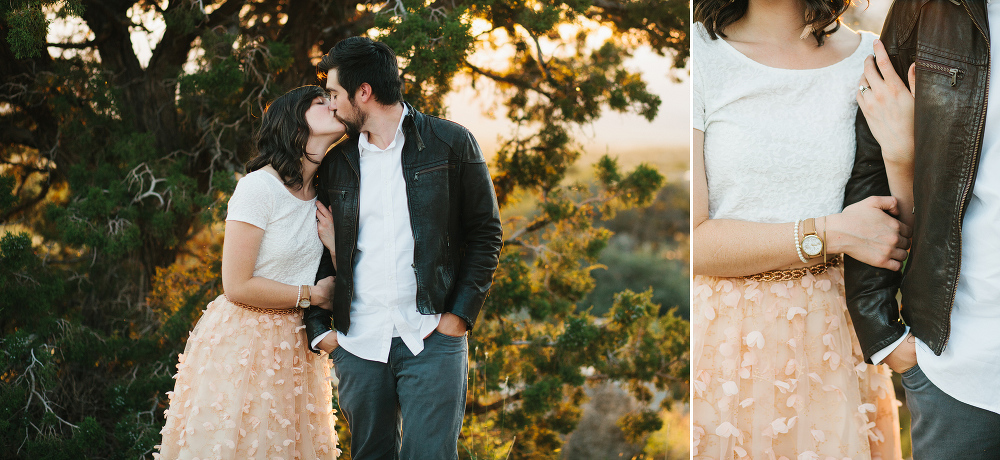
(28, 23)
(420, 33)
(27, 288)
(114, 176)
(7, 197)
(27, 28)
(635, 425)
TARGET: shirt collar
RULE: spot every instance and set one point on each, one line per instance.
(366, 146)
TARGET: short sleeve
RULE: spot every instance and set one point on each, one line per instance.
(697, 103)
(697, 85)
(252, 201)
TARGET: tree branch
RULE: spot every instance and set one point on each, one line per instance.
(25, 204)
(172, 51)
(84, 45)
(509, 80)
(541, 58)
(534, 226)
(110, 20)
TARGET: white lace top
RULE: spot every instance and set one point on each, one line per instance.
(779, 143)
(290, 250)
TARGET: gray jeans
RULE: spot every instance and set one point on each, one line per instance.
(409, 408)
(943, 427)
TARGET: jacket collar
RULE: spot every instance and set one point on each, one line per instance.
(410, 126)
(977, 9)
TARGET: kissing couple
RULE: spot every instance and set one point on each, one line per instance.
(365, 234)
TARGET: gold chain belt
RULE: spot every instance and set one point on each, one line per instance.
(795, 273)
(266, 311)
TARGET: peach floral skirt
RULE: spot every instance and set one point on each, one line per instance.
(247, 387)
(778, 373)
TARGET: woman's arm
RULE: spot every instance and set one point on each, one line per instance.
(327, 234)
(239, 256)
(887, 105)
(727, 247)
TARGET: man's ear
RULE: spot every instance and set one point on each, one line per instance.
(364, 93)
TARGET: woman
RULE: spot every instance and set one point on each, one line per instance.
(247, 385)
(777, 370)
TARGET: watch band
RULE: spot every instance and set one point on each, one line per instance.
(810, 238)
(809, 226)
(304, 297)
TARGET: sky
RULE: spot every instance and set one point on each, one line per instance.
(614, 132)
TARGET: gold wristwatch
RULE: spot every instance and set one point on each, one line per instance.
(304, 300)
(812, 244)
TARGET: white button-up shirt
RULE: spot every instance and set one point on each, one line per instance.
(385, 285)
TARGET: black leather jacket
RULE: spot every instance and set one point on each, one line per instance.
(453, 214)
(949, 41)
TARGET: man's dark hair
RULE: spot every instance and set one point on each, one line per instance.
(281, 139)
(716, 15)
(362, 60)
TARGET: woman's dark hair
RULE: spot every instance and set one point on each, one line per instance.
(362, 60)
(716, 15)
(281, 139)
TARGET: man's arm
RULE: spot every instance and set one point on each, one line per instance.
(483, 235)
(871, 292)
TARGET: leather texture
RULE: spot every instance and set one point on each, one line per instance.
(949, 41)
(453, 213)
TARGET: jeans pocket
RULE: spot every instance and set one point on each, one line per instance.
(913, 378)
(335, 354)
(438, 333)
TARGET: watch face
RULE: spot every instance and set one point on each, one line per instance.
(304, 303)
(812, 245)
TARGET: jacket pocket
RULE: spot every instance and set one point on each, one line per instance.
(954, 74)
(343, 205)
(337, 194)
(424, 172)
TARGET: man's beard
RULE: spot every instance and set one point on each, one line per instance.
(356, 120)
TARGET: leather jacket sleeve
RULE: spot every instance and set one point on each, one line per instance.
(483, 235)
(318, 320)
(871, 292)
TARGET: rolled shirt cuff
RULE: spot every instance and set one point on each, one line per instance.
(318, 339)
(880, 355)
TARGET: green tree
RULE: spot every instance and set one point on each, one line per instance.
(115, 171)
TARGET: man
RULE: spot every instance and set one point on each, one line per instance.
(949, 348)
(418, 238)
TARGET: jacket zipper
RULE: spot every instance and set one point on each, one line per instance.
(941, 69)
(968, 182)
(416, 176)
(357, 212)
